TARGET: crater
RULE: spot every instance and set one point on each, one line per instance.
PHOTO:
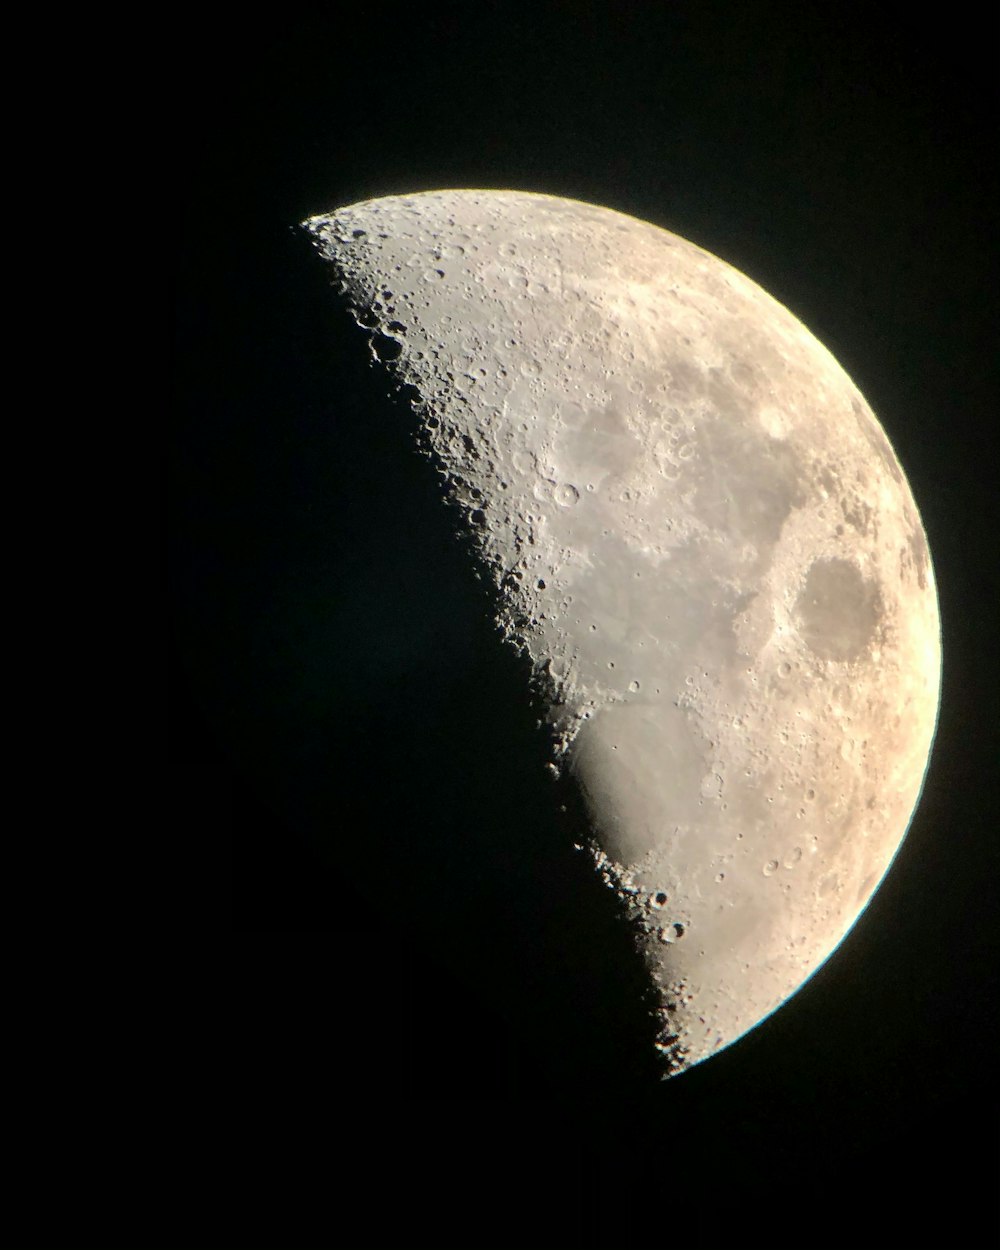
(857, 514)
(876, 438)
(838, 610)
(919, 552)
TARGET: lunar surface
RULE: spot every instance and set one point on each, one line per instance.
(702, 544)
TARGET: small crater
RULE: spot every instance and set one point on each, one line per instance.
(770, 868)
(385, 348)
(409, 394)
(659, 899)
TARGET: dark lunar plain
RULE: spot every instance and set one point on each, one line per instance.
(399, 1009)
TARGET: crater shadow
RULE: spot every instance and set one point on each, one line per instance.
(342, 649)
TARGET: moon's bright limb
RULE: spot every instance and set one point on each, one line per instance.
(703, 542)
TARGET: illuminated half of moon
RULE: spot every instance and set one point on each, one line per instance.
(701, 540)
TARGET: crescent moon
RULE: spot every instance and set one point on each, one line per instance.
(703, 545)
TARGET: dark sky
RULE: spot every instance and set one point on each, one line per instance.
(409, 1012)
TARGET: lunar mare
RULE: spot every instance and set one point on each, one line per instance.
(701, 539)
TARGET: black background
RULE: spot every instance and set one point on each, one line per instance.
(405, 1005)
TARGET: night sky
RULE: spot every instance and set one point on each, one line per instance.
(409, 1009)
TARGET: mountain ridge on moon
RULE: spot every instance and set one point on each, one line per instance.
(698, 536)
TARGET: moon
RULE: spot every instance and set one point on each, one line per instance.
(700, 541)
